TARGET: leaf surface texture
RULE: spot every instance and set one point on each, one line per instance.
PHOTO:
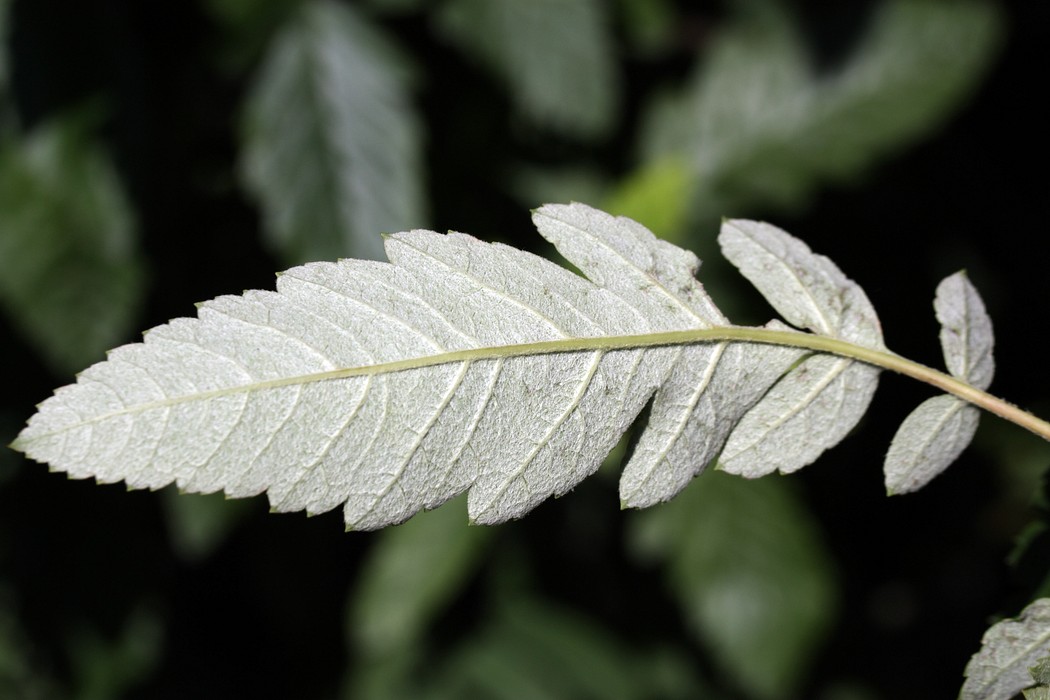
(1009, 648)
(936, 432)
(463, 366)
(820, 400)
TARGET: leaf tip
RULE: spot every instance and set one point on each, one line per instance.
(899, 485)
(18, 444)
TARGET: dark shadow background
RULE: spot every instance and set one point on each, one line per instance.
(922, 575)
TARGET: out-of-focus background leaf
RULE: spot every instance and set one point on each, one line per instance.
(331, 145)
(71, 277)
(759, 123)
(555, 57)
(410, 574)
(750, 573)
(147, 165)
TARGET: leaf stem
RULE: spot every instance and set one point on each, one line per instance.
(733, 334)
(879, 358)
(891, 361)
(768, 336)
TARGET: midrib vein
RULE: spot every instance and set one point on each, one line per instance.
(566, 345)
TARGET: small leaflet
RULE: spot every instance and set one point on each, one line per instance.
(936, 432)
(966, 331)
(931, 438)
(1009, 649)
(710, 385)
(820, 400)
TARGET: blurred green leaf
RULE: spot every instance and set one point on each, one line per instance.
(556, 57)
(413, 571)
(331, 142)
(648, 24)
(199, 523)
(70, 274)
(658, 194)
(530, 649)
(393, 677)
(105, 669)
(1030, 556)
(748, 569)
(761, 127)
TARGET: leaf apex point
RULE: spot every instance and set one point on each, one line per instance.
(896, 490)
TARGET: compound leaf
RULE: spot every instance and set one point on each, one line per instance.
(461, 366)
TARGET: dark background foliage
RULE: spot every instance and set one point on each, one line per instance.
(93, 584)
